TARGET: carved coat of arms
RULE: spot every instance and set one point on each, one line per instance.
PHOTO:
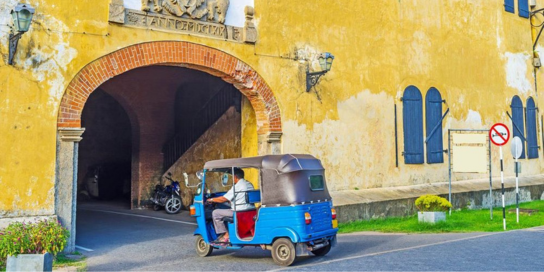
(208, 10)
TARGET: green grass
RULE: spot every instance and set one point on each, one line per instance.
(64, 261)
(458, 221)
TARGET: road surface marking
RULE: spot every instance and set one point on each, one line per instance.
(84, 248)
(388, 251)
(143, 216)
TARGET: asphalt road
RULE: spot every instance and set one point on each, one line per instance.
(155, 241)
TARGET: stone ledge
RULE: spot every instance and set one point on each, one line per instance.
(399, 201)
(4, 222)
(348, 197)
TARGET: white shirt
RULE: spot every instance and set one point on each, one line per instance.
(241, 186)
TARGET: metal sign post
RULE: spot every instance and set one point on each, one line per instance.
(470, 149)
(517, 148)
(499, 135)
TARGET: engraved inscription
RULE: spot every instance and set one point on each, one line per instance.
(155, 21)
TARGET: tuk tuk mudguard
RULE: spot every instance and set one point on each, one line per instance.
(285, 232)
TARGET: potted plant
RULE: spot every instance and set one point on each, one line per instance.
(432, 208)
(31, 246)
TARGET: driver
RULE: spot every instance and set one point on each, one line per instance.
(240, 185)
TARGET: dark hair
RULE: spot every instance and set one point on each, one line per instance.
(239, 173)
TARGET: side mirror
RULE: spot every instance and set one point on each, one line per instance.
(225, 179)
(186, 178)
(169, 174)
(199, 174)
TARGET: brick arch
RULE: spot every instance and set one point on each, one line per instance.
(171, 53)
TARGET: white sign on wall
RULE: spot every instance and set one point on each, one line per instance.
(469, 153)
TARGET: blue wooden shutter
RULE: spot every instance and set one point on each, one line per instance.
(433, 118)
(517, 121)
(523, 8)
(509, 5)
(532, 145)
(412, 115)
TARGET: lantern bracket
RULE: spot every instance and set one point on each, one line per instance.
(13, 42)
(312, 78)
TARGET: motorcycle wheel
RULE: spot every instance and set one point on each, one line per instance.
(156, 207)
(173, 205)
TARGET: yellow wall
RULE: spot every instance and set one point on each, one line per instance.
(476, 54)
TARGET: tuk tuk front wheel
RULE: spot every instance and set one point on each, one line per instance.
(283, 252)
(322, 251)
(203, 249)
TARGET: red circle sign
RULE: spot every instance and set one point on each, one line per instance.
(499, 134)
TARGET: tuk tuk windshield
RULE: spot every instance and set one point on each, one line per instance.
(221, 179)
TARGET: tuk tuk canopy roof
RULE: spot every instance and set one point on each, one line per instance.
(281, 163)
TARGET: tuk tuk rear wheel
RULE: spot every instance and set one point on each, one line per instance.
(203, 249)
(322, 251)
(283, 252)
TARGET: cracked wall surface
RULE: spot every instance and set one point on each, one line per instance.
(477, 55)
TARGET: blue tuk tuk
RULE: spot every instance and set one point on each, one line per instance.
(292, 212)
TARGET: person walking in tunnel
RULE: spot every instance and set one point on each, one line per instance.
(238, 202)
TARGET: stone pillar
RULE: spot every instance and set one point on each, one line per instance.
(270, 144)
(274, 142)
(66, 181)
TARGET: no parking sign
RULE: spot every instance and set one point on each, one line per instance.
(499, 134)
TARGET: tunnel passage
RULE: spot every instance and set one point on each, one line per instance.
(140, 123)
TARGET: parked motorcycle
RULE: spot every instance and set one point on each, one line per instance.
(167, 196)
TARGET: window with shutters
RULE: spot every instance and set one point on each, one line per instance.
(509, 5)
(433, 126)
(412, 120)
(523, 8)
(532, 143)
(517, 121)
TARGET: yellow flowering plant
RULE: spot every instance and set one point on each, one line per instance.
(32, 238)
(432, 203)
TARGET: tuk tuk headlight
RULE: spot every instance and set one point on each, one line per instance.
(192, 210)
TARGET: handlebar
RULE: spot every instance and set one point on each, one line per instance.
(169, 178)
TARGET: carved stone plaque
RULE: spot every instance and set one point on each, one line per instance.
(195, 17)
(149, 20)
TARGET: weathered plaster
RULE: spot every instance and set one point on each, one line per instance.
(474, 53)
(474, 118)
(516, 71)
(350, 153)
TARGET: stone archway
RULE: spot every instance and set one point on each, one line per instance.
(185, 54)
(169, 53)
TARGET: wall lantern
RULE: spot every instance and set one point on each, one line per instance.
(22, 17)
(325, 61)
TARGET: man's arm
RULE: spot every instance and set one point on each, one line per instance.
(222, 199)
(219, 199)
